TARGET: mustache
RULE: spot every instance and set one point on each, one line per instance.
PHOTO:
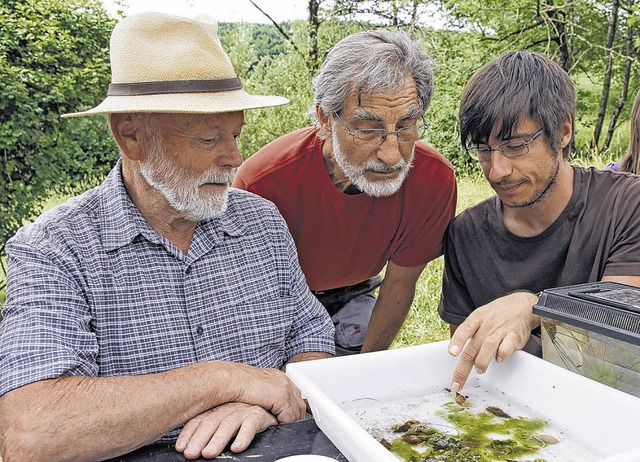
(217, 176)
(381, 167)
(507, 183)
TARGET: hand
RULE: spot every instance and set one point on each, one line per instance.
(496, 329)
(270, 389)
(209, 433)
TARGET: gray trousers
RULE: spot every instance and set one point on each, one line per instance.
(350, 310)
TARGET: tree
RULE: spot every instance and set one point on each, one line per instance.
(626, 77)
(53, 59)
(606, 86)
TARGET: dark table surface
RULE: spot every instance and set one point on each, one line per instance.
(303, 437)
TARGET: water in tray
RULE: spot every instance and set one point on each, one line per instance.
(378, 416)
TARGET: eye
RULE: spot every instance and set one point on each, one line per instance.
(370, 133)
(483, 149)
(515, 146)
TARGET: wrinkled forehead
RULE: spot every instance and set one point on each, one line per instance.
(399, 102)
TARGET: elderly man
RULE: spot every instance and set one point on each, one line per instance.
(550, 223)
(160, 297)
(360, 191)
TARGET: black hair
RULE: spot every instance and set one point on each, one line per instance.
(513, 85)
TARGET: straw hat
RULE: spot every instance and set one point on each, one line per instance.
(163, 63)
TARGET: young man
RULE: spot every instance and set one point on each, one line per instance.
(360, 191)
(550, 224)
(161, 297)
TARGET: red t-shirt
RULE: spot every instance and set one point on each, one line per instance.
(345, 239)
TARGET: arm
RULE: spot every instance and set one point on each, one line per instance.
(394, 300)
(630, 280)
(497, 329)
(309, 356)
(108, 416)
(209, 433)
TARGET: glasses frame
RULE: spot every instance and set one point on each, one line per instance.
(473, 150)
(383, 138)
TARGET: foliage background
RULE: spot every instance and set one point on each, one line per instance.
(54, 59)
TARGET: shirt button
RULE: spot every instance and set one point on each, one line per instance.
(199, 330)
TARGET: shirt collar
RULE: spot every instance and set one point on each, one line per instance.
(122, 222)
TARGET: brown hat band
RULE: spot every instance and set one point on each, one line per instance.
(173, 86)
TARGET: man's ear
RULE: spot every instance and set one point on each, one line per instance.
(126, 129)
(324, 121)
(566, 132)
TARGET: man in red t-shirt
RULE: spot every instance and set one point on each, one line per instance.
(359, 191)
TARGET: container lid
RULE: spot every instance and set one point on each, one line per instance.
(608, 308)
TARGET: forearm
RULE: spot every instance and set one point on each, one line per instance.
(86, 418)
(309, 356)
(394, 301)
(387, 318)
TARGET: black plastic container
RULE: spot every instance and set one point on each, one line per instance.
(593, 329)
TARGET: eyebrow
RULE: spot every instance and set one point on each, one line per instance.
(360, 113)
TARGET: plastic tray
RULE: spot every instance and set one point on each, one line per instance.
(589, 418)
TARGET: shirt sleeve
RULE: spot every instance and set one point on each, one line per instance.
(45, 330)
(625, 251)
(455, 301)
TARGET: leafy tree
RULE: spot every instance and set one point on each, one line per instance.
(53, 59)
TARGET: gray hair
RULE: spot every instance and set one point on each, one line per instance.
(369, 61)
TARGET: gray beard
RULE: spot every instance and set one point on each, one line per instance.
(182, 191)
(355, 173)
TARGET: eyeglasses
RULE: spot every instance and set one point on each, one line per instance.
(374, 137)
(510, 149)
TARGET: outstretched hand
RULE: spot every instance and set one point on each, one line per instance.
(496, 329)
(208, 434)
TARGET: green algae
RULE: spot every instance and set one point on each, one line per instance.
(481, 437)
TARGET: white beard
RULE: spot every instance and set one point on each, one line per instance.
(355, 173)
(182, 190)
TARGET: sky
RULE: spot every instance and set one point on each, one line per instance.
(220, 10)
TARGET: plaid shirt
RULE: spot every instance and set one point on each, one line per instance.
(93, 290)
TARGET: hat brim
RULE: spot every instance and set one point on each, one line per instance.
(189, 103)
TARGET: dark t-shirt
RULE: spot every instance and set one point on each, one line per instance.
(597, 234)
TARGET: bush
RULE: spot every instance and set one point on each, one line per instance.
(54, 59)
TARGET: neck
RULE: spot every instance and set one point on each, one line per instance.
(153, 206)
(534, 219)
(338, 178)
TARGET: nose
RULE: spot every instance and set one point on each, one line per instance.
(498, 168)
(232, 157)
(389, 151)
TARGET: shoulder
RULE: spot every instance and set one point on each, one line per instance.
(608, 185)
(75, 217)
(475, 217)
(277, 155)
(251, 208)
(431, 171)
(427, 157)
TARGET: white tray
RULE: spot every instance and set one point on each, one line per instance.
(343, 393)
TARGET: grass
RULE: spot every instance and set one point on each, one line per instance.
(423, 324)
